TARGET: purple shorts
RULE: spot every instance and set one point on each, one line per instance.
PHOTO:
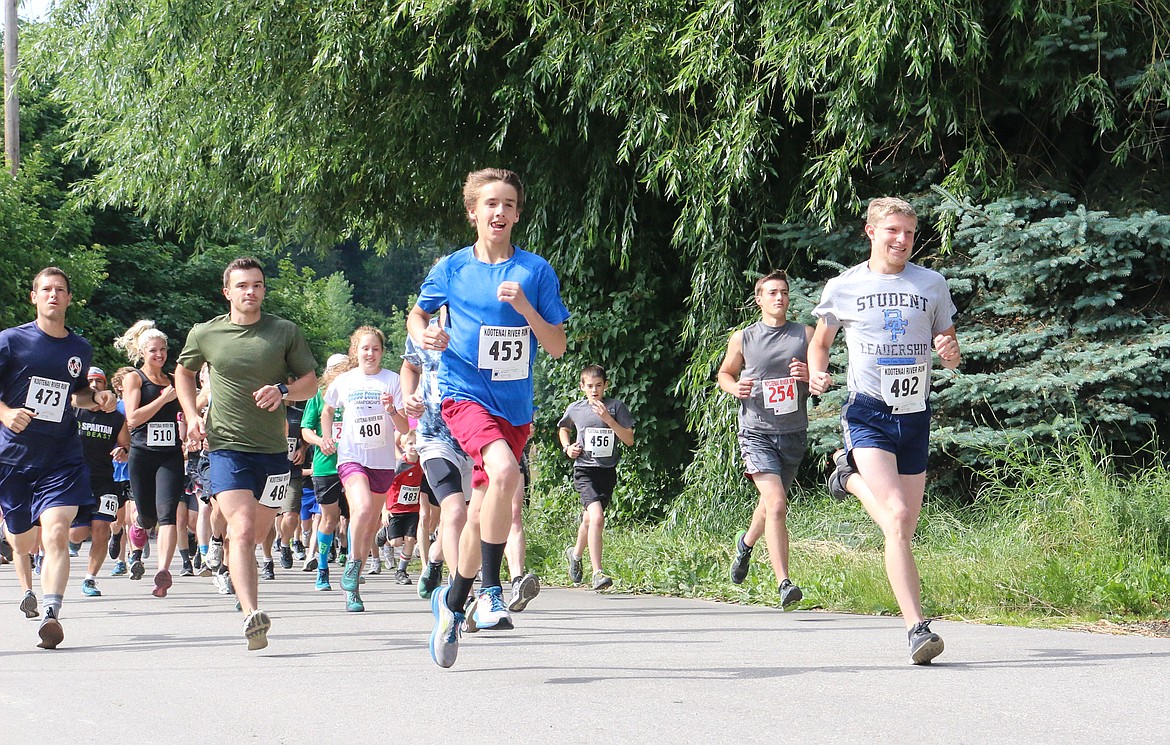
(380, 478)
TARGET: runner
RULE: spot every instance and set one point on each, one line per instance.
(156, 449)
(326, 483)
(251, 355)
(447, 467)
(592, 448)
(766, 368)
(372, 400)
(893, 312)
(122, 481)
(104, 440)
(289, 513)
(401, 516)
(525, 584)
(43, 478)
(499, 297)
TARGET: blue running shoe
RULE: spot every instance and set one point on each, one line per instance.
(349, 580)
(490, 610)
(90, 589)
(444, 640)
(119, 569)
(353, 602)
(323, 579)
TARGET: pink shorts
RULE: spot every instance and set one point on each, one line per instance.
(474, 428)
(380, 478)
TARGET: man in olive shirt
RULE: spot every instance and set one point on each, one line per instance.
(251, 355)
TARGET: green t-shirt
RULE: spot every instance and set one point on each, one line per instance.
(323, 465)
(244, 359)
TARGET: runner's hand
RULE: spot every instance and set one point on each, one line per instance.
(414, 406)
(512, 294)
(195, 430)
(16, 419)
(268, 398)
(107, 401)
(435, 338)
(798, 370)
(743, 388)
(819, 382)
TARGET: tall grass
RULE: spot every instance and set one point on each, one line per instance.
(1050, 538)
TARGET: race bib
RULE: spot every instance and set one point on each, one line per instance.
(505, 351)
(47, 398)
(598, 441)
(409, 494)
(904, 387)
(781, 395)
(292, 447)
(275, 489)
(370, 431)
(108, 505)
(161, 434)
(337, 431)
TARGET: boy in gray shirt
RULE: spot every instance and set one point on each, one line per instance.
(893, 313)
(766, 369)
(599, 423)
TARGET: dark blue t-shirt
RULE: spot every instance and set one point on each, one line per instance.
(41, 372)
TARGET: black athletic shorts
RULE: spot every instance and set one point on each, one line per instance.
(595, 484)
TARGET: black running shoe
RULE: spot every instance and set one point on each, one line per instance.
(115, 545)
(842, 470)
(286, 557)
(790, 594)
(925, 645)
(268, 571)
(743, 559)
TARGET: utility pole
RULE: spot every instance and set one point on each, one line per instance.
(11, 101)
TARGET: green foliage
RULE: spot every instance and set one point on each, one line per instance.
(322, 308)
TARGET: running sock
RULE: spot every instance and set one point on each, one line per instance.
(744, 547)
(436, 566)
(88, 577)
(203, 549)
(402, 565)
(53, 605)
(136, 555)
(185, 555)
(324, 546)
(493, 559)
(459, 591)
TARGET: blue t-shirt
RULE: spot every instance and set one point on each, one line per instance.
(492, 350)
(41, 372)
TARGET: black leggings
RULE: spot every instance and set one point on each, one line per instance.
(156, 481)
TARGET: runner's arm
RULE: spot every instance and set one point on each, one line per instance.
(819, 379)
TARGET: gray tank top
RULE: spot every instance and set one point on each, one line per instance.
(778, 402)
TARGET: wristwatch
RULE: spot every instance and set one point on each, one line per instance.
(282, 388)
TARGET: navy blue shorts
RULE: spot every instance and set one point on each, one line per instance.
(27, 492)
(232, 470)
(867, 423)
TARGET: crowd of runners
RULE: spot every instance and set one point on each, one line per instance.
(366, 468)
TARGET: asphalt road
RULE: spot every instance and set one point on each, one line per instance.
(578, 668)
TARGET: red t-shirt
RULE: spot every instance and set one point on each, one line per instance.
(406, 490)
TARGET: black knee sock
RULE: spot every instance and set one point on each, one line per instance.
(493, 559)
(458, 592)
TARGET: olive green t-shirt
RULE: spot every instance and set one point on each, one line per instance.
(244, 359)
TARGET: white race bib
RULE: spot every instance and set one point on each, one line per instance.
(108, 505)
(275, 489)
(161, 434)
(369, 431)
(904, 387)
(47, 398)
(598, 441)
(781, 395)
(505, 351)
(409, 494)
(292, 447)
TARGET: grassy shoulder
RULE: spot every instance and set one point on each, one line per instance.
(1054, 541)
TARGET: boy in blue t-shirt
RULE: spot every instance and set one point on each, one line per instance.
(502, 300)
